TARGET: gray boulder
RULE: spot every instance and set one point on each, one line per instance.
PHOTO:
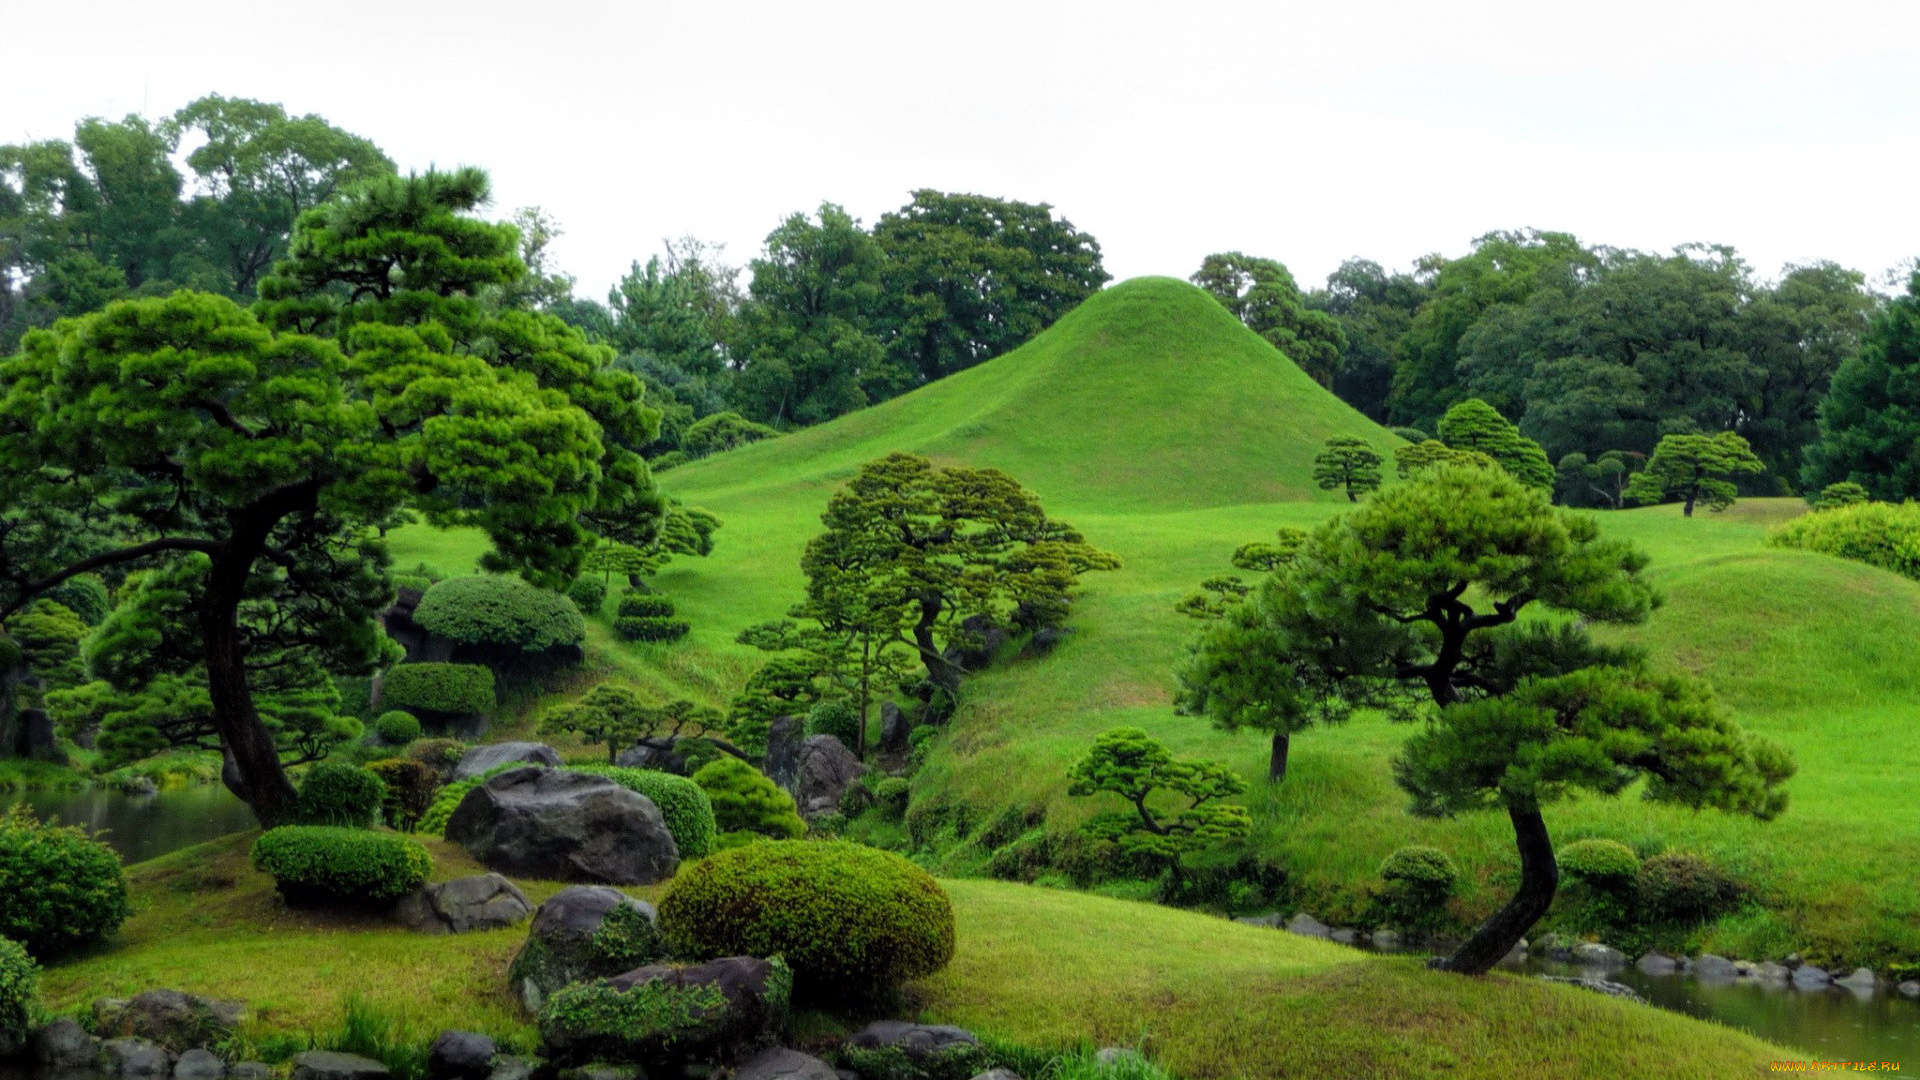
(1709, 968)
(654, 753)
(1308, 926)
(980, 639)
(132, 1056)
(564, 826)
(506, 1067)
(1272, 920)
(1769, 971)
(1344, 936)
(461, 1055)
(39, 739)
(779, 1063)
(1808, 977)
(719, 1011)
(600, 1070)
(1048, 638)
(478, 902)
(481, 758)
(65, 1046)
(566, 942)
(894, 728)
(199, 1064)
(785, 736)
(1654, 963)
(1387, 940)
(998, 1074)
(173, 1019)
(330, 1065)
(1909, 988)
(826, 770)
(1594, 954)
(1861, 981)
(922, 1044)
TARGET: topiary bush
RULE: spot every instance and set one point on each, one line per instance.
(1679, 886)
(61, 889)
(589, 594)
(683, 803)
(746, 804)
(18, 976)
(892, 795)
(397, 727)
(494, 611)
(1835, 496)
(439, 689)
(329, 866)
(837, 718)
(411, 786)
(849, 919)
(643, 617)
(335, 793)
(1419, 882)
(1602, 864)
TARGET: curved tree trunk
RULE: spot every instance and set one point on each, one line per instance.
(252, 770)
(1277, 757)
(944, 676)
(1539, 879)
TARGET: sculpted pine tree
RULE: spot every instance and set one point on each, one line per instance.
(261, 448)
(1409, 604)
(1129, 763)
(1347, 463)
(615, 715)
(1475, 425)
(1694, 469)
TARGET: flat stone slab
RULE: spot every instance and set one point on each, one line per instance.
(330, 1065)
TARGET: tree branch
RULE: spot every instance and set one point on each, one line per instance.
(109, 558)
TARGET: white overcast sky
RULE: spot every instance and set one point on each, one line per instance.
(1303, 132)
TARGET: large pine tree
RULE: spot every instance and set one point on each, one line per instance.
(1870, 420)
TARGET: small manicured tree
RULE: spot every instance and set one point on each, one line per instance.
(397, 727)
(1835, 496)
(1475, 425)
(326, 866)
(335, 793)
(1694, 469)
(1128, 762)
(1601, 481)
(615, 715)
(1347, 463)
(440, 690)
(647, 617)
(1419, 882)
(500, 618)
(785, 685)
(746, 805)
(19, 977)
(63, 889)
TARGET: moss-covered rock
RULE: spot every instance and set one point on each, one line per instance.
(661, 1016)
(581, 933)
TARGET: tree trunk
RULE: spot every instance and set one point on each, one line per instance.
(1539, 879)
(1687, 511)
(1277, 758)
(945, 677)
(255, 773)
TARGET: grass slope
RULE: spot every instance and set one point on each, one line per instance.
(1206, 997)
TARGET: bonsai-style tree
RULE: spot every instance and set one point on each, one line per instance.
(1217, 595)
(1348, 463)
(1475, 425)
(1694, 469)
(1128, 762)
(1414, 458)
(1410, 604)
(616, 716)
(786, 685)
(1604, 478)
(260, 449)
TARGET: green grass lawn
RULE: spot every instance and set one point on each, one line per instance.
(1206, 997)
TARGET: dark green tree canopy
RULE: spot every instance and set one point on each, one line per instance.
(1870, 421)
(1262, 294)
(1475, 425)
(1694, 469)
(1347, 464)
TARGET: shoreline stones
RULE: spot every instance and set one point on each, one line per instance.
(332, 1065)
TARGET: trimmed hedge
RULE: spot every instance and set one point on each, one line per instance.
(686, 808)
(1606, 864)
(335, 793)
(589, 594)
(450, 689)
(322, 864)
(1419, 882)
(1876, 533)
(847, 918)
(397, 727)
(497, 610)
(18, 976)
(644, 606)
(62, 888)
(746, 804)
(629, 628)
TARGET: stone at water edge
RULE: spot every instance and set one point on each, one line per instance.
(511, 1068)
(998, 1074)
(481, 758)
(1387, 940)
(65, 1046)
(176, 1020)
(1598, 986)
(330, 1065)
(461, 1055)
(477, 902)
(199, 1063)
(1808, 977)
(1654, 963)
(917, 1041)
(1909, 988)
(1594, 954)
(1709, 968)
(564, 826)
(250, 1070)
(1861, 981)
(779, 1063)
(134, 1056)
(1308, 926)
(1769, 971)
(718, 1011)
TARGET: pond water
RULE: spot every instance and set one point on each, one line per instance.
(142, 827)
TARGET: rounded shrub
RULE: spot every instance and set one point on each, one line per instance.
(85, 596)
(335, 793)
(589, 594)
(325, 865)
(630, 628)
(442, 689)
(891, 795)
(747, 804)
(440, 755)
(837, 718)
(1679, 886)
(1835, 496)
(847, 918)
(644, 606)
(1419, 882)
(684, 805)
(1602, 864)
(397, 727)
(60, 889)
(410, 785)
(18, 975)
(501, 612)
(1886, 535)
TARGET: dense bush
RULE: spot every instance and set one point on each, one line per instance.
(1419, 882)
(589, 594)
(644, 605)
(646, 617)
(1835, 496)
(747, 804)
(321, 864)
(837, 718)
(443, 689)
(411, 786)
(1875, 533)
(685, 806)
(397, 727)
(60, 889)
(335, 793)
(1679, 886)
(17, 977)
(49, 635)
(1603, 864)
(84, 595)
(440, 755)
(722, 431)
(892, 794)
(500, 612)
(848, 919)
(433, 821)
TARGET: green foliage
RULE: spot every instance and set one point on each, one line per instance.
(397, 728)
(613, 715)
(410, 790)
(644, 617)
(326, 865)
(644, 605)
(1475, 425)
(369, 1031)
(1129, 763)
(19, 978)
(683, 803)
(1836, 495)
(722, 431)
(745, 801)
(440, 755)
(1867, 424)
(443, 689)
(1262, 294)
(892, 793)
(651, 1022)
(851, 920)
(49, 635)
(955, 1061)
(1602, 481)
(1348, 464)
(1679, 886)
(1419, 882)
(1879, 534)
(1604, 864)
(589, 594)
(500, 612)
(84, 595)
(1413, 459)
(1694, 469)
(64, 889)
(836, 717)
(338, 794)
(433, 821)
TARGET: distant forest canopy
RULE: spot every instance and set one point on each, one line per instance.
(1590, 350)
